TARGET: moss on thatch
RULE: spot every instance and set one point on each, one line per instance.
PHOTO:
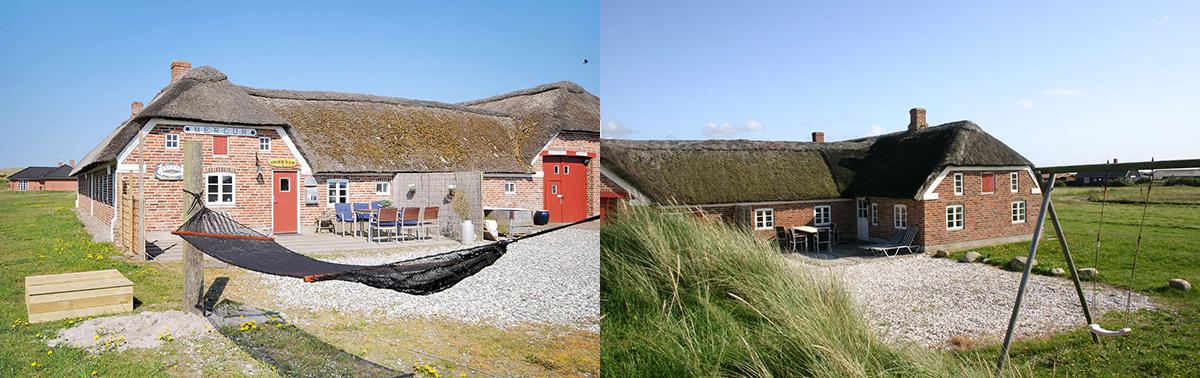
(550, 109)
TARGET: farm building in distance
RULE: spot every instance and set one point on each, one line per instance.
(308, 150)
(44, 178)
(962, 187)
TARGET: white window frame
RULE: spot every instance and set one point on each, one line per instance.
(981, 182)
(510, 187)
(264, 142)
(900, 217)
(331, 197)
(958, 184)
(956, 224)
(874, 214)
(862, 207)
(764, 219)
(387, 187)
(1013, 182)
(220, 189)
(1018, 211)
(171, 138)
(22, 185)
(827, 218)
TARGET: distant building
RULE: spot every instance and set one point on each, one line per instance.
(44, 178)
(1099, 178)
(1176, 173)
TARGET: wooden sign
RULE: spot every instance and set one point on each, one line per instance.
(238, 131)
(282, 162)
(169, 171)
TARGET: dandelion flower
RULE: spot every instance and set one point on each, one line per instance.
(49, 352)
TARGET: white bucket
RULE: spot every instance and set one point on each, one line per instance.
(468, 232)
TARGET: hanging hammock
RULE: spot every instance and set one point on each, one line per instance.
(225, 239)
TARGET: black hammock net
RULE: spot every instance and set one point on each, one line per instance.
(225, 239)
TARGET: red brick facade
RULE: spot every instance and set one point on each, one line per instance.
(46, 184)
(529, 190)
(986, 215)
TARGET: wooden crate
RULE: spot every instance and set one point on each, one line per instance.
(60, 296)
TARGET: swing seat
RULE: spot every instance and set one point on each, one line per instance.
(1095, 328)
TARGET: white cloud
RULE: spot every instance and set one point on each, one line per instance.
(1064, 92)
(727, 130)
(612, 129)
(876, 130)
(1163, 20)
(1026, 103)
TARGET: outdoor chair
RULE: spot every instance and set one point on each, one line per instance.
(385, 219)
(343, 214)
(783, 237)
(376, 205)
(827, 239)
(429, 219)
(799, 238)
(360, 216)
(906, 243)
(410, 220)
(894, 241)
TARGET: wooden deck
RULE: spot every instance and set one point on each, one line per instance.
(164, 246)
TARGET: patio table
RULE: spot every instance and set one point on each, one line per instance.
(360, 214)
(815, 232)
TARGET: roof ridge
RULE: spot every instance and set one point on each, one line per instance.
(300, 95)
(569, 86)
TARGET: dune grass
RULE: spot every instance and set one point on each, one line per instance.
(687, 298)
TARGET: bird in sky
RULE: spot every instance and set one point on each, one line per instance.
(585, 61)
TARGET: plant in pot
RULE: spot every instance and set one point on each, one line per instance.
(386, 202)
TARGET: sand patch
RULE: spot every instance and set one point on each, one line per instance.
(144, 330)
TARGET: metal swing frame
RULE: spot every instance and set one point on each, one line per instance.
(1048, 208)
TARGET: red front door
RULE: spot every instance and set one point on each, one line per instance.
(565, 188)
(285, 207)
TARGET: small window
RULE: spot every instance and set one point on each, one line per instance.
(264, 143)
(220, 188)
(510, 187)
(764, 219)
(821, 215)
(220, 145)
(900, 216)
(553, 189)
(556, 169)
(172, 140)
(1012, 182)
(874, 214)
(22, 185)
(566, 169)
(958, 184)
(988, 183)
(1018, 212)
(382, 187)
(285, 184)
(862, 208)
(954, 217)
(338, 190)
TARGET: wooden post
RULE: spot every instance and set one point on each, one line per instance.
(139, 245)
(193, 270)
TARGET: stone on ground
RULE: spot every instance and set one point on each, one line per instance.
(1018, 263)
(1057, 271)
(1087, 272)
(970, 257)
(1180, 284)
(941, 254)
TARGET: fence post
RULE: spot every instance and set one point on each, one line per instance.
(193, 270)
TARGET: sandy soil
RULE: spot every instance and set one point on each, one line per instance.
(144, 330)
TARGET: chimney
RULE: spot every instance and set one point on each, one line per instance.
(1114, 160)
(916, 119)
(818, 137)
(72, 163)
(179, 68)
(60, 164)
(135, 108)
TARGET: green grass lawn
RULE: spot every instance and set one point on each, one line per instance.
(1163, 342)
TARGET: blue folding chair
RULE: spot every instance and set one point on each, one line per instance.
(362, 217)
(343, 214)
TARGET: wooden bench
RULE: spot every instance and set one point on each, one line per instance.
(60, 296)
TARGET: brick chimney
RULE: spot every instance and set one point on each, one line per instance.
(72, 163)
(60, 164)
(135, 108)
(818, 137)
(916, 119)
(179, 68)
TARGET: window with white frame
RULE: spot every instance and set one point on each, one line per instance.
(900, 216)
(22, 185)
(954, 217)
(862, 207)
(339, 190)
(764, 218)
(264, 143)
(958, 184)
(220, 188)
(510, 187)
(1018, 212)
(1012, 182)
(874, 214)
(172, 140)
(822, 215)
(382, 187)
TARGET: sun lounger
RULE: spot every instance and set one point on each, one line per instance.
(893, 246)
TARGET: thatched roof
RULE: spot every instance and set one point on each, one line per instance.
(357, 133)
(550, 109)
(895, 165)
(345, 132)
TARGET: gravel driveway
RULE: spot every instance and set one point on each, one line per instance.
(927, 300)
(549, 279)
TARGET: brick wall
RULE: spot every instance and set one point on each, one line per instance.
(95, 194)
(528, 193)
(803, 214)
(986, 216)
(885, 225)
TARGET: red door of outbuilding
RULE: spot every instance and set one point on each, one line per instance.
(285, 204)
(565, 188)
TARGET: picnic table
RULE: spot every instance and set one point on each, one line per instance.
(815, 232)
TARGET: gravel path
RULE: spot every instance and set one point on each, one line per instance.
(549, 279)
(927, 300)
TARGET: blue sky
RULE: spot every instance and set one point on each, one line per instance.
(69, 70)
(1062, 83)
